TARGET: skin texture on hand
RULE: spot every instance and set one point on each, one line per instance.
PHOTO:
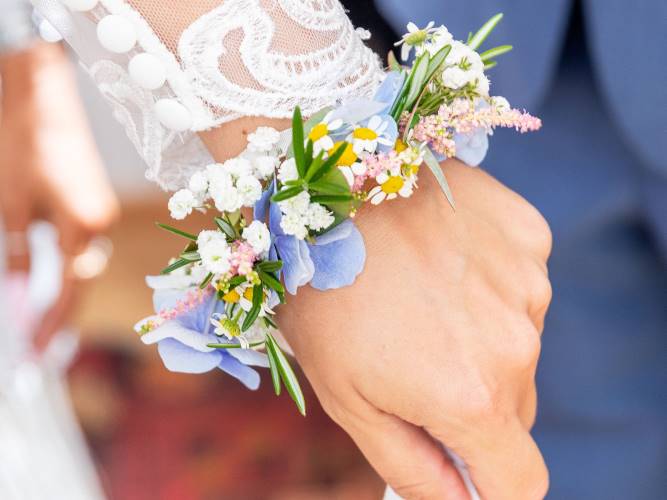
(438, 338)
(49, 166)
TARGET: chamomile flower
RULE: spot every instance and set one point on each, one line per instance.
(320, 133)
(389, 188)
(224, 326)
(415, 37)
(366, 139)
(437, 39)
(242, 295)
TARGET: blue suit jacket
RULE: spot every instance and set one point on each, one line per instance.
(598, 171)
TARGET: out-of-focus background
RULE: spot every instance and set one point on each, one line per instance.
(161, 435)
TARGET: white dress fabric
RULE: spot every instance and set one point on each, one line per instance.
(172, 68)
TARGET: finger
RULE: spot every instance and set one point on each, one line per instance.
(56, 316)
(406, 457)
(503, 460)
(528, 407)
(16, 244)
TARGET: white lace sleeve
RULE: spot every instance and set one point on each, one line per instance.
(171, 68)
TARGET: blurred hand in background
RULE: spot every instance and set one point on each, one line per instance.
(49, 167)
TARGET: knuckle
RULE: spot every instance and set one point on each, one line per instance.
(483, 404)
(538, 228)
(526, 346)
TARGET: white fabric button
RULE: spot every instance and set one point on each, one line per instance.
(173, 115)
(80, 5)
(48, 32)
(147, 71)
(116, 34)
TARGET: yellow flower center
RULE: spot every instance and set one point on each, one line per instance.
(400, 146)
(231, 297)
(348, 157)
(393, 184)
(318, 131)
(410, 169)
(248, 293)
(365, 134)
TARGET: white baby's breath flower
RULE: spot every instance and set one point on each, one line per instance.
(294, 223)
(249, 189)
(226, 198)
(214, 251)
(238, 167)
(318, 217)
(296, 204)
(263, 139)
(198, 183)
(181, 204)
(500, 102)
(264, 165)
(259, 237)
(483, 85)
(288, 171)
(454, 77)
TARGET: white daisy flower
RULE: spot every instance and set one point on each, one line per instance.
(390, 186)
(366, 139)
(319, 134)
(413, 38)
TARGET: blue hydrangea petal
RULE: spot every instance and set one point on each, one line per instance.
(338, 256)
(250, 357)
(471, 148)
(261, 208)
(298, 267)
(178, 357)
(246, 375)
(172, 329)
(389, 89)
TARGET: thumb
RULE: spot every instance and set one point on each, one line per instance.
(407, 458)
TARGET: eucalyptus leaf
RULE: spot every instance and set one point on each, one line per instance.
(176, 231)
(225, 227)
(297, 142)
(436, 61)
(419, 72)
(271, 281)
(435, 167)
(191, 256)
(273, 367)
(257, 299)
(270, 266)
(286, 194)
(206, 281)
(487, 55)
(478, 38)
(329, 164)
(175, 265)
(287, 375)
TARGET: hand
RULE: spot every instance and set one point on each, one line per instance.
(438, 338)
(49, 165)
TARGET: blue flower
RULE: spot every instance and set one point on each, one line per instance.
(334, 260)
(471, 148)
(182, 341)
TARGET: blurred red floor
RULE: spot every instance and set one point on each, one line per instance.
(164, 436)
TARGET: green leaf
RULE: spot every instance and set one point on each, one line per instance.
(297, 142)
(433, 164)
(309, 153)
(236, 281)
(206, 281)
(487, 55)
(191, 256)
(331, 198)
(392, 62)
(271, 281)
(330, 163)
(226, 227)
(257, 299)
(326, 187)
(286, 194)
(436, 61)
(315, 165)
(270, 266)
(273, 366)
(491, 64)
(175, 265)
(233, 346)
(287, 375)
(176, 231)
(419, 71)
(479, 37)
